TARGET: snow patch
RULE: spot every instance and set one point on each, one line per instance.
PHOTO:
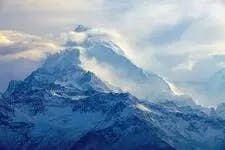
(142, 107)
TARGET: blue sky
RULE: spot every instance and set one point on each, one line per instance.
(180, 40)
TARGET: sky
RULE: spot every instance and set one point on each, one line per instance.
(180, 40)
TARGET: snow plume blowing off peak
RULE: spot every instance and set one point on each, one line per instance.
(63, 61)
(101, 55)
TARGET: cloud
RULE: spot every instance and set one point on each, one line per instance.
(197, 34)
(19, 45)
(20, 54)
(4, 41)
(49, 16)
(58, 4)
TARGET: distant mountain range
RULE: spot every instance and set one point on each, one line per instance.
(210, 92)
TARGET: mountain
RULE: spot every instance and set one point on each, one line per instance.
(63, 106)
(220, 110)
(124, 73)
(215, 86)
(209, 92)
(60, 70)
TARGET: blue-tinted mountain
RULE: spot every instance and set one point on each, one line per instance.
(209, 92)
(63, 106)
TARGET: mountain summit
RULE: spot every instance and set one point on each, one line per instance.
(60, 71)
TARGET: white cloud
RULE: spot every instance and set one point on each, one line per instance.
(20, 54)
(17, 45)
(59, 4)
(76, 37)
(4, 41)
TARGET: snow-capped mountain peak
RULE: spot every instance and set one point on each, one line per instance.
(60, 71)
(62, 106)
(81, 28)
(98, 46)
(64, 60)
